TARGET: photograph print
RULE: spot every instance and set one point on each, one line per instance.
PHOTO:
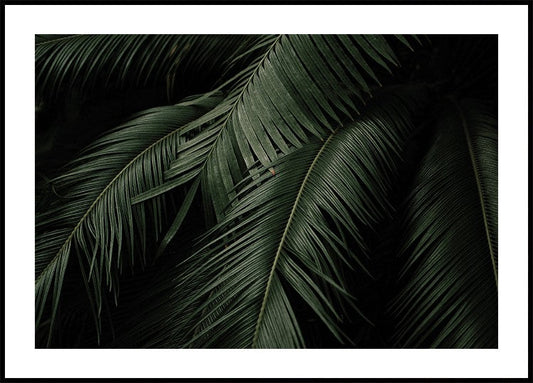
(266, 191)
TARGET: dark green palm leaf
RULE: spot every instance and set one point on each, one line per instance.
(98, 221)
(450, 278)
(116, 61)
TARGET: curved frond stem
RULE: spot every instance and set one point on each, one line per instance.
(82, 219)
(282, 241)
(479, 188)
(101, 218)
(239, 97)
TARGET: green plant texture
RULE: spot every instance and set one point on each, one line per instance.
(266, 191)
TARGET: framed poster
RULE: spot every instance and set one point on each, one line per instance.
(270, 191)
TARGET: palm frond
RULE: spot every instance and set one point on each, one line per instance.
(98, 221)
(299, 87)
(292, 234)
(449, 290)
(83, 62)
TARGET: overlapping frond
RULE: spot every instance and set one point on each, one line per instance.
(297, 88)
(291, 234)
(449, 293)
(95, 218)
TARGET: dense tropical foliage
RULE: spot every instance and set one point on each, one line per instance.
(269, 191)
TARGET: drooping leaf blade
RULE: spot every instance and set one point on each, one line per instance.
(448, 295)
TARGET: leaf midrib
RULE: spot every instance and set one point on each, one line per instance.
(284, 236)
(238, 99)
(479, 188)
(102, 193)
